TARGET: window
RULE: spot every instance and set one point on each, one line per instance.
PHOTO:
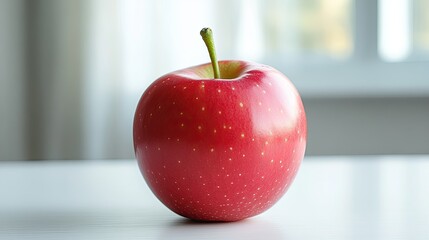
(372, 48)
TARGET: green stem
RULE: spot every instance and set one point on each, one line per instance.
(207, 35)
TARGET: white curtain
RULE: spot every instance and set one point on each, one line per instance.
(85, 64)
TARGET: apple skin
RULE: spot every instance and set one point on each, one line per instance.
(220, 149)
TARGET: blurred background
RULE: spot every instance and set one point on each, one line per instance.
(72, 71)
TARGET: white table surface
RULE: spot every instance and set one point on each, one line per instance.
(360, 197)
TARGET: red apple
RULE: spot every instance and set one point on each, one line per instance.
(220, 149)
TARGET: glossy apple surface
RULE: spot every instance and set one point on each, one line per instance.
(220, 149)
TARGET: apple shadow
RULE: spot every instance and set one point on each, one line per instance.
(253, 228)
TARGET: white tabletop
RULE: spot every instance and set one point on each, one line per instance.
(384, 197)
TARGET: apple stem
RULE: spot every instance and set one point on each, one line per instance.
(207, 35)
